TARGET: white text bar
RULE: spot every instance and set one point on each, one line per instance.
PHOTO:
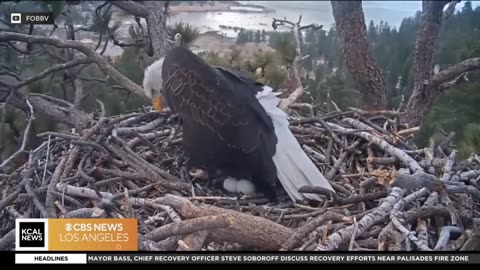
(51, 258)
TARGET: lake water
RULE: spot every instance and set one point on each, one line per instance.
(319, 12)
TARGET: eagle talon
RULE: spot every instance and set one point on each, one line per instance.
(198, 173)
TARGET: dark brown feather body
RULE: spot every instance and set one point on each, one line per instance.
(225, 128)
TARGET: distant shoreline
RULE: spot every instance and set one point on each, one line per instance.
(221, 7)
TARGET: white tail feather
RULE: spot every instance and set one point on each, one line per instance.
(294, 167)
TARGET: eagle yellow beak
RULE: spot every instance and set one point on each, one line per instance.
(158, 104)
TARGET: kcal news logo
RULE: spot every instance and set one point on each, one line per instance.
(31, 18)
(31, 234)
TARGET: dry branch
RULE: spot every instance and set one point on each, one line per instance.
(301, 232)
(296, 66)
(338, 238)
(454, 71)
(248, 230)
(473, 243)
(86, 213)
(395, 217)
(445, 235)
(418, 180)
(52, 186)
(194, 241)
(26, 134)
(340, 200)
(190, 226)
(401, 155)
(7, 240)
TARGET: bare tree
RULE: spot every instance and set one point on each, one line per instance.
(428, 85)
(296, 29)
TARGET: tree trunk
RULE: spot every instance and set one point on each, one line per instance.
(155, 15)
(69, 116)
(423, 95)
(365, 72)
(157, 30)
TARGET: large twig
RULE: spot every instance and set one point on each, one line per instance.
(249, 230)
(422, 230)
(445, 235)
(9, 199)
(401, 155)
(74, 153)
(86, 213)
(8, 240)
(397, 220)
(190, 226)
(335, 240)
(36, 201)
(447, 169)
(303, 231)
(26, 134)
(52, 186)
(417, 180)
(82, 192)
(337, 199)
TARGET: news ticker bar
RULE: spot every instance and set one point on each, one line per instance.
(232, 258)
(31, 18)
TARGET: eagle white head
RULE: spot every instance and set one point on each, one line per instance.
(152, 84)
(152, 79)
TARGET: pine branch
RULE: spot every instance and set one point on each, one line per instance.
(450, 10)
(454, 71)
(101, 62)
(54, 68)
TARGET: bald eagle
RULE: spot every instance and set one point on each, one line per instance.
(231, 124)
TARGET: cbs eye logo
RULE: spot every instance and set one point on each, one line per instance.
(15, 18)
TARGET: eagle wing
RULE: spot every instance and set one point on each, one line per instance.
(215, 98)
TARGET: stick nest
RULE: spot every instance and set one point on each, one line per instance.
(390, 195)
